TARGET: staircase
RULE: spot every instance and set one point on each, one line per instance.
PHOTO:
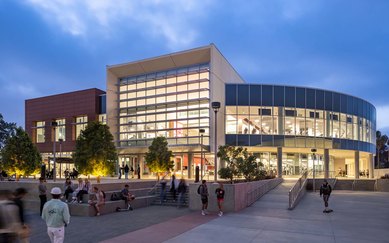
(169, 197)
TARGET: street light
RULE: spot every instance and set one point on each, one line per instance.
(215, 107)
(201, 131)
(54, 124)
(313, 152)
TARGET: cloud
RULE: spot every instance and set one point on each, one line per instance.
(383, 117)
(174, 21)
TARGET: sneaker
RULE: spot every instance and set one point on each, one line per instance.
(131, 209)
(80, 202)
(206, 212)
(203, 213)
(220, 214)
(98, 214)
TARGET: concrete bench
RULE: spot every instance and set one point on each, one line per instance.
(84, 209)
(139, 192)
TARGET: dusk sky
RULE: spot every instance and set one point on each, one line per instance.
(56, 46)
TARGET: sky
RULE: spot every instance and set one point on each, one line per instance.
(56, 46)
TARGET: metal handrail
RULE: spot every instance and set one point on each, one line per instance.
(253, 195)
(296, 190)
(157, 183)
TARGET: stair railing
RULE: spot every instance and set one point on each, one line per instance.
(298, 190)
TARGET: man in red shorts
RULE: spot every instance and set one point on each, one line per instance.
(220, 197)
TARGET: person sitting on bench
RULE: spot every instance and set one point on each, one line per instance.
(127, 197)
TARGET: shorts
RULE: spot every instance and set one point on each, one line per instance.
(204, 200)
(220, 200)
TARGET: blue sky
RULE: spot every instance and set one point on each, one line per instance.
(56, 46)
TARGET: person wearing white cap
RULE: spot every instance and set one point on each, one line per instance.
(56, 214)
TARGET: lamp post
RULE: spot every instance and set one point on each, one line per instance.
(313, 182)
(201, 131)
(54, 124)
(60, 156)
(215, 107)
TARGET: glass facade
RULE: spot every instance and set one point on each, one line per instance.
(173, 103)
(266, 115)
(40, 132)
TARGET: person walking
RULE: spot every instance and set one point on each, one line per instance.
(25, 230)
(174, 186)
(181, 192)
(56, 215)
(132, 172)
(220, 198)
(126, 170)
(10, 225)
(138, 171)
(162, 194)
(203, 191)
(42, 193)
(325, 190)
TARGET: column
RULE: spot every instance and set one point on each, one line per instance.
(371, 166)
(279, 162)
(280, 120)
(326, 163)
(190, 163)
(356, 159)
(328, 125)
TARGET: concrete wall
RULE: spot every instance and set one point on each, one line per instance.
(382, 185)
(380, 172)
(235, 197)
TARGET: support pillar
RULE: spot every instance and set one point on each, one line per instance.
(190, 164)
(280, 121)
(371, 166)
(326, 163)
(279, 162)
(356, 161)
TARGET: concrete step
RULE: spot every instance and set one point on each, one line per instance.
(85, 209)
(364, 185)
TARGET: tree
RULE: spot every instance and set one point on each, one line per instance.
(239, 163)
(381, 140)
(20, 156)
(158, 158)
(95, 152)
(248, 166)
(230, 155)
(7, 130)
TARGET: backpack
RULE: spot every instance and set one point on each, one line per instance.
(199, 190)
(115, 197)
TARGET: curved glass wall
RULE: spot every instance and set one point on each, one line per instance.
(266, 115)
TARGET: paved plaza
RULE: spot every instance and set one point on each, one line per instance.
(357, 217)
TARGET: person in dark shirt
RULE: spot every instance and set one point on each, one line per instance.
(25, 231)
(220, 198)
(326, 190)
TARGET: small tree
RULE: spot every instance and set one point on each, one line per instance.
(95, 152)
(248, 166)
(20, 156)
(239, 163)
(230, 155)
(158, 158)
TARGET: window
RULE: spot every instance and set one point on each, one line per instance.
(60, 132)
(81, 122)
(40, 132)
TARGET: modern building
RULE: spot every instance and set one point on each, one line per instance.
(171, 96)
(70, 112)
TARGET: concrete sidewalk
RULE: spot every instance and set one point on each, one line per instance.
(357, 217)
